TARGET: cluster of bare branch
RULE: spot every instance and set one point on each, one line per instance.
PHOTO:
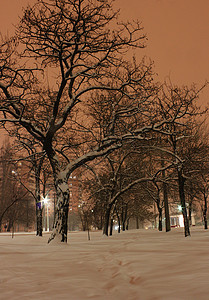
(65, 82)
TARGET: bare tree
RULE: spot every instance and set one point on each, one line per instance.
(196, 155)
(178, 133)
(203, 188)
(72, 40)
(15, 202)
(118, 187)
(35, 158)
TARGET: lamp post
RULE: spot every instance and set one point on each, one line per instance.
(45, 200)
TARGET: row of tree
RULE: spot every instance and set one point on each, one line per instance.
(121, 187)
(129, 181)
(16, 203)
(70, 97)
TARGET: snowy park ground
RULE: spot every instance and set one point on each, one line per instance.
(133, 265)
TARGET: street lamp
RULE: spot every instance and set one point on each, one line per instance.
(45, 200)
(179, 208)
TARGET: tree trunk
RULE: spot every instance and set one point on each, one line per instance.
(125, 217)
(127, 224)
(107, 219)
(190, 213)
(118, 217)
(124, 225)
(119, 225)
(60, 227)
(205, 221)
(39, 209)
(39, 229)
(10, 225)
(165, 200)
(89, 234)
(166, 207)
(111, 226)
(205, 213)
(181, 182)
(160, 224)
(160, 214)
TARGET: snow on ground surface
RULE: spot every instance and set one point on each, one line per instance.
(133, 265)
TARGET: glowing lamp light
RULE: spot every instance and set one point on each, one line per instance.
(179, 208)
(45, 201)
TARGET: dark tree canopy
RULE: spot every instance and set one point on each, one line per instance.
(65, 80)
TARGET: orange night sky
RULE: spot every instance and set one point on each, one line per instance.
(177, 31)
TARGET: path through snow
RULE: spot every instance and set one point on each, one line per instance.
(134, 265)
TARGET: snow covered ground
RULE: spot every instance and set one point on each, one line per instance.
(134, 265)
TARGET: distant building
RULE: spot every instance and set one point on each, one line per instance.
(176, 216)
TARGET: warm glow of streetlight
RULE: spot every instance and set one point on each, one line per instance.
(179, 208)
(45, 200)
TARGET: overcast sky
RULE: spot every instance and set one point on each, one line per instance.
(177, 31)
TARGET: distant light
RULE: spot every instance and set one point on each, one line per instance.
(45, 200)
(179, 208)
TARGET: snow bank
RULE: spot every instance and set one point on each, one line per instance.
(135, 265)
